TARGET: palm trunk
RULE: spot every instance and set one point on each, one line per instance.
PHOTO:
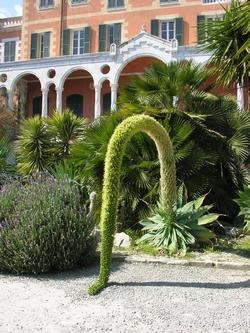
(242, 94)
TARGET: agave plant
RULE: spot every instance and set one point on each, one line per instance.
(244, 202)
(175, 234)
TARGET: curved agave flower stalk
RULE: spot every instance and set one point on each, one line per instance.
(113, 161)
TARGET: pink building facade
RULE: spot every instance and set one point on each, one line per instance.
(79, 53)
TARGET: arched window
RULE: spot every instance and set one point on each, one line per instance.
(37, 106)
(75, 104)
(106, 103)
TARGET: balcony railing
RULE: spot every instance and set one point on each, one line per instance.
(215, 1)
(10, 22)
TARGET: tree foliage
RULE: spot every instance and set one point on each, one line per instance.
(229, 41)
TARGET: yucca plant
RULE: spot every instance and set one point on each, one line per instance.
(244, 202)
(175, 233)
(33, 146)
(65, 129)
(43, 143)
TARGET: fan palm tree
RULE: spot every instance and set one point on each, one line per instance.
(164, 86)
(220, 137)
(229, 41)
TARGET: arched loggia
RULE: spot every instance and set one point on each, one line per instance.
(113, 161)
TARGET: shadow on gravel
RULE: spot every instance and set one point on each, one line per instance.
(90, 271)
(206, 285)
(240, 252)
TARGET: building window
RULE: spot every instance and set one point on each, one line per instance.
(78, 2)
(106, 103)
(213, 1)
(115, 4)
(76, 42)
(9, 51)
(46, 4)
(75, 104)
(37, 106)
(203, 24)
(109, 34)
(165, 2)
(168, 29)
(40, 45)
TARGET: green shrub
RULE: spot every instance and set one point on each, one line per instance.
(244, 202)
(43, 227)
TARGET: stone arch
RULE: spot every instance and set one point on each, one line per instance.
(131, 58)
(69, 72)
(79, 81)
(49, 83)
(20, 76)
(103, 79)
(25, 87)
(112, 173)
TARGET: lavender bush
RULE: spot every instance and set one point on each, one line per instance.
(43, 226)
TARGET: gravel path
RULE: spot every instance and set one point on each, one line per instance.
(141, 298)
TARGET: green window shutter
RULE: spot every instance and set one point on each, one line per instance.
(87, 39)
(155, 27)
(117, 33)
(13, 50)
(102, 37)
(46, 48)
(33, 46)
(179, 30)
(66, 42)
(200, 28)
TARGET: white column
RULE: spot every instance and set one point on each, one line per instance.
(59, 99)
(240, 96)
(10, 100)
(113, 96)
(97, 101)
(45, 102)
